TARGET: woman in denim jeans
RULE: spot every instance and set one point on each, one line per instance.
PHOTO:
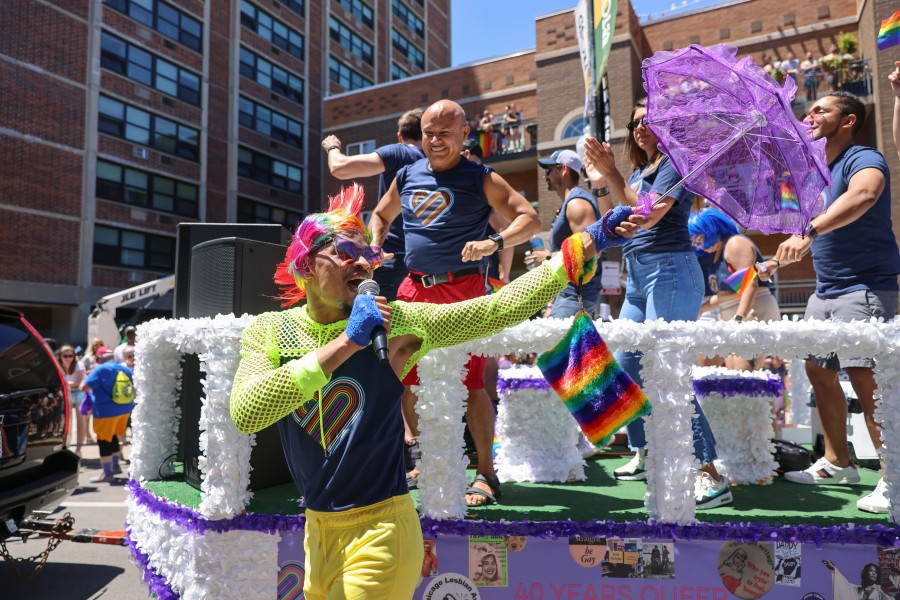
(664, 279)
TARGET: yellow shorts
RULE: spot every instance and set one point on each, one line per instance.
(374, 552)
(107, 427)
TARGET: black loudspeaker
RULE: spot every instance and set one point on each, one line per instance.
(191, 234)
(229, 275)
(233, 276)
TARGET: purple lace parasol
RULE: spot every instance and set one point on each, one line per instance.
(731, 134)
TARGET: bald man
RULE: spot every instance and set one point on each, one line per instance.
(446, 201)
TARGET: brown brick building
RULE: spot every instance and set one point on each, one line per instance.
(546, 85)
(122, 118)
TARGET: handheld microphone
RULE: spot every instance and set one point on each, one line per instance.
(369, 287)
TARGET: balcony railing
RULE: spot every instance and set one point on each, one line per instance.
(503, 140)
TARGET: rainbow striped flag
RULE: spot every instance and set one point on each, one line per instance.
(789, 200)
(494, 285)
(889, 34)
(740, 280)
(595, 389)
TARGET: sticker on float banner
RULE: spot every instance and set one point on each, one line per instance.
(451, 585)
(587, 552)
(747, 570)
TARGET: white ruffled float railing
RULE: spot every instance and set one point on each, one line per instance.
(669, 351)
(739, 406)
(538, 436)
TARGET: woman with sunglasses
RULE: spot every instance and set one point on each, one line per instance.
(664, 278)
(74, 373)
(715, 234)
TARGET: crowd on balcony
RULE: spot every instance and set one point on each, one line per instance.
(499, 134)
(837, 70)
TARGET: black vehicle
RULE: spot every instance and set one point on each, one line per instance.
(37, 472)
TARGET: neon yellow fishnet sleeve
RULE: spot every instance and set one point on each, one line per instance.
(441, 325)
(265, 390)
(279, 371)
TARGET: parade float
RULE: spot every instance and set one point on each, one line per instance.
(565, 528)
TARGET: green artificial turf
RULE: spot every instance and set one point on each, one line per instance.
(602, 497)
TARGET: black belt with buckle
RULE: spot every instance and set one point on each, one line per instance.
(433, 280)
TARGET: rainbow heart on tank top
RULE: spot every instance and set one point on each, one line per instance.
(429, 206)
(342, 402)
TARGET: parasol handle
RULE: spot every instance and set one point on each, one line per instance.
(758, 121)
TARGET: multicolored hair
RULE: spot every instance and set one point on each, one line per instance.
(314, 231)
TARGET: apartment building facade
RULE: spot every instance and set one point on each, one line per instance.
(123, 118)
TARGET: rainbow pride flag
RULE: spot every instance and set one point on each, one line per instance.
(494, 285)
(889, 34)
(740, 280)
(595, 389)
(789, 200)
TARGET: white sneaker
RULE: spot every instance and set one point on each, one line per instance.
(824, 472)
(586, 448)
(877, 502)
(709, 493)
(634, 469)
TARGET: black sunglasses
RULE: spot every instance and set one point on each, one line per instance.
(635, 124)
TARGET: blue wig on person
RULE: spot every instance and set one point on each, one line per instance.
(713, 225)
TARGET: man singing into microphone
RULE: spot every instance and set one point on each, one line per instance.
(312, 370)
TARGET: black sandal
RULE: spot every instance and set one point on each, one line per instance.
(492, 497)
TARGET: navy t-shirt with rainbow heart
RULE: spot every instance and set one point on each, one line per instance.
(363, 433)
(441, 212)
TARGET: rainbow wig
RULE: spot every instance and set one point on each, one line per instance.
(316, 229)
(713, 224)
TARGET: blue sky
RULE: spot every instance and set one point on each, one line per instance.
(488, 28)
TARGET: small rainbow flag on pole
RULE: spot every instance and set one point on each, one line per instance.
(740, 280)
(889, 34)
(599, 394)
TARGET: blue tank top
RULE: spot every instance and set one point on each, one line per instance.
(441, 212)
(722, 270)
(670, 234)
(364, 433)
(560, 230)
(395, 157)
(862, 255)
(707, 267)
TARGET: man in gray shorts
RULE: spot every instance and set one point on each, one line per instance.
(856, 260)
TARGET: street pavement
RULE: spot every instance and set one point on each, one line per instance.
(81, 571)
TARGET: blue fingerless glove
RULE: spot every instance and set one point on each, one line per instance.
(364, 317)
(604, 231)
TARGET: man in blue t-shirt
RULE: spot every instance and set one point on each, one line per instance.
(579, 209)
(446, 201)
(385, 162)
(111, 384)
(857, 261)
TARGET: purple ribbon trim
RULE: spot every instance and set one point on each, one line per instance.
(159, 587)
(739, 386)
(193, 521)
(882, 535)
(513, 384)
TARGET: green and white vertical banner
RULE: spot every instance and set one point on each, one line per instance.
(604, 22)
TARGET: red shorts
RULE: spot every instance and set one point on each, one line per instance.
(464, 288)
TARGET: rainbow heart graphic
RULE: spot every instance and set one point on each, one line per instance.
(342, 401)
(428, 206)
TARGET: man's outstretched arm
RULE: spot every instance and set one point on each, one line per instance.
(343, 167)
